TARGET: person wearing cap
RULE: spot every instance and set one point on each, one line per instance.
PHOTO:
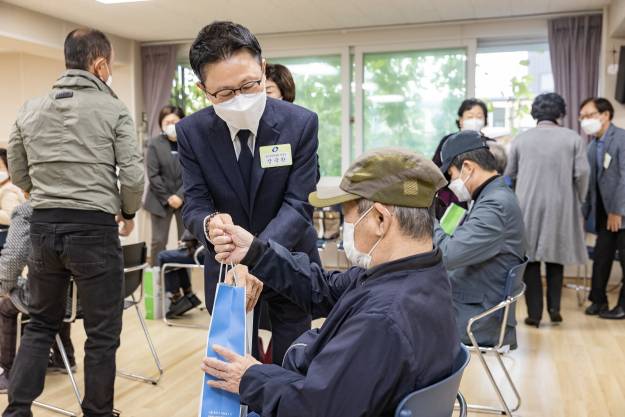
(481, 251)
(390, 326)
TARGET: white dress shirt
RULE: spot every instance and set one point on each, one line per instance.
(251, 142)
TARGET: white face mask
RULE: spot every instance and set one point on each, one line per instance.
(3, 176)
(473, 124)
(243, 111)
(170, 130)
(109, 80)
(357, 258)
(591, 126)
(459, 188)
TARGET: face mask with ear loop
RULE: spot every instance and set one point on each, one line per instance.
(356, 257)
(109, 80)
(459, 188)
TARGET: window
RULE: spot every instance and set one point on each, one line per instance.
(508, 78)
(410, 98)
(184, 92)
(406, 98)
(318, 88)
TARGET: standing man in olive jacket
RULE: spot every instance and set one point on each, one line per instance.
(69, 149)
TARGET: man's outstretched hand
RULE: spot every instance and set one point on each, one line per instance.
(215, 225)
(231, 243)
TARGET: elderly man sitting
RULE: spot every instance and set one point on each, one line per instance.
(390, 326)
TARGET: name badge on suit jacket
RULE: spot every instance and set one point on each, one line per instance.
(606, 160)
(275, 156)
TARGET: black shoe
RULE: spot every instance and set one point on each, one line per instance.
(594, 309)
(56, 366)
(555, 316)
(617, 313)
(194, 300)
(532, 322)
(179, 307)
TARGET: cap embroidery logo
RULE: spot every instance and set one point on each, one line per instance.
(411, 188)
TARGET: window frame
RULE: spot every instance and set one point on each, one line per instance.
(344, 53)
(352, 134)
(469, 45)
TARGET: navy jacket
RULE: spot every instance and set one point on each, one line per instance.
(389, 331)
(478, 257)
(610, 181)
(277, 207)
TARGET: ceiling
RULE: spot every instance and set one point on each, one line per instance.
(157, 20)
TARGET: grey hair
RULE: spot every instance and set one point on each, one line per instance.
(501, 159)
(415, 223)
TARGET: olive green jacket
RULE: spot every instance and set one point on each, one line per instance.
(71, 147)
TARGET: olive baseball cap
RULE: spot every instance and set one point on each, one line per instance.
(459, 143)
(392, 176)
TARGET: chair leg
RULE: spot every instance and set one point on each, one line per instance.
(153, 381)
(510, 382)
(462, 405)
(68, 367)
(54, 408)
(505, 410)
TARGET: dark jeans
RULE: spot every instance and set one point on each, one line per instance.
(605, 251)
(92, 255)
(8, 331)
(176, 279)
(534, 290)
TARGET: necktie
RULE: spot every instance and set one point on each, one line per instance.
(245, 158)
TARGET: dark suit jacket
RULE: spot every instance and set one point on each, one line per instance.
(164, 176)
(277, 207)
(611, 181)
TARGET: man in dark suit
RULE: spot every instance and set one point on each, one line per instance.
(250, 160)
(605, 205)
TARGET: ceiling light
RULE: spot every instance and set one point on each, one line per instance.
(119, 1)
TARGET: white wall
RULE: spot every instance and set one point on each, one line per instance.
(312, 42)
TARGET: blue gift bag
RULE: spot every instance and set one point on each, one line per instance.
(227, 328)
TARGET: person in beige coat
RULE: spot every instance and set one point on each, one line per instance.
(10, 195)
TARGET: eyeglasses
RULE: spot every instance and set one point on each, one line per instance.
(226, 93)
(587, 116)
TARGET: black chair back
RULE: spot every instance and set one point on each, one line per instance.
(135, 256)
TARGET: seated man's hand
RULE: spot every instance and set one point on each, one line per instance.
(216, 224)
(232, 245)
(228, 373)
(253, 286)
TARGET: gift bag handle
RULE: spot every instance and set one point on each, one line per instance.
(223, 271)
